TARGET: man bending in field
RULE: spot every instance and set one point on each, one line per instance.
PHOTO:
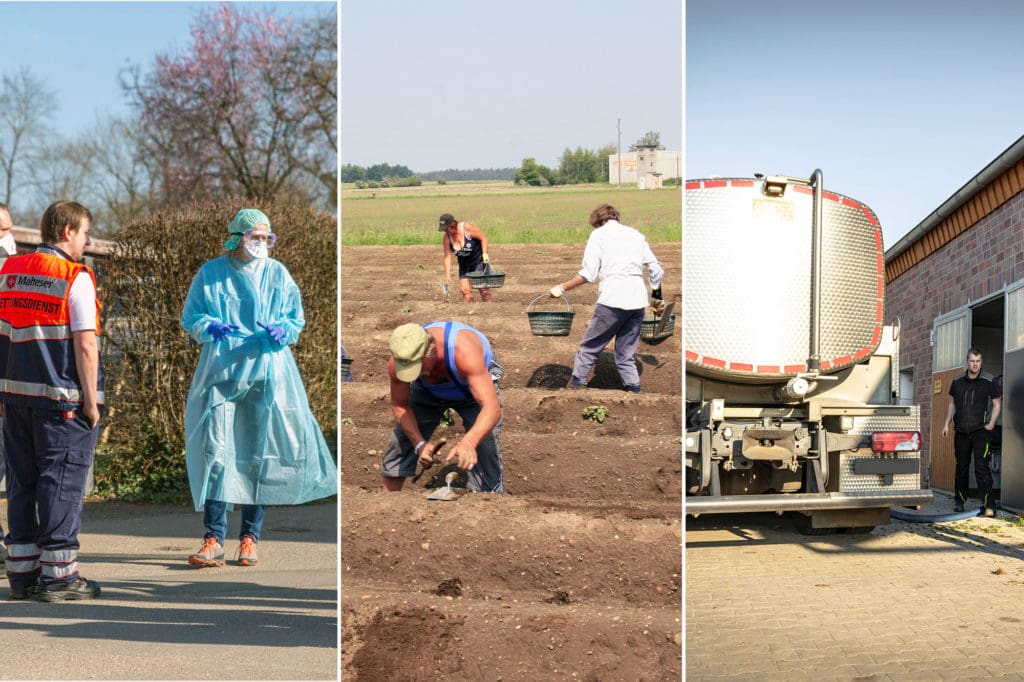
(438, 366)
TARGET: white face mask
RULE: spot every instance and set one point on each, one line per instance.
(255, 249)
(8, 244)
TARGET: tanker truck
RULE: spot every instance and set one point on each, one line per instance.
(792, 378)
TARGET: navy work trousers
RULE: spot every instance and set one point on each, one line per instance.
(48, 455)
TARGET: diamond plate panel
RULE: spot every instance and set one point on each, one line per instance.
(891, 422)
(860, 484)
(747, 278)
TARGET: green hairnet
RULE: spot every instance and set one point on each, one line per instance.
(244, 220)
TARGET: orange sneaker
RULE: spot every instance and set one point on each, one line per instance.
(210, 554)
(247, 552)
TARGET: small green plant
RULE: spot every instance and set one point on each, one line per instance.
(348, 421)
(595, 413)
(448, 418)
(405, 309)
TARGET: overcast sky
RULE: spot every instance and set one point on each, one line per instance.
(469, 84)
(898, 103)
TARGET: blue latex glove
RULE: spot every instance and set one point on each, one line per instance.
(276, 331)
(219, 331)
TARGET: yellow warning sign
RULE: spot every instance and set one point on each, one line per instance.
(937, 389)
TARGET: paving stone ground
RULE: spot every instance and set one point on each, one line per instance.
(909, 601)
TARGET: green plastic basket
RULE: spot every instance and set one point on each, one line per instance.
(346, 369)
(550, 322)
(647, 328)
(488, 278)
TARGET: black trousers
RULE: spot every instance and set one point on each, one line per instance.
(978, 444)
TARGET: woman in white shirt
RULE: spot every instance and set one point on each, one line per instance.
(615, 256)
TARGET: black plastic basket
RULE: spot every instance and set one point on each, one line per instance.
(488, 278)
(647, 328)
(346, 369)
(550, 322)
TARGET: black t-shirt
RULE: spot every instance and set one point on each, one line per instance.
(971, 399)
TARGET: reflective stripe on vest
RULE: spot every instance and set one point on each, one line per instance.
(37, 356)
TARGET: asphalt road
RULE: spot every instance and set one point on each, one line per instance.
(161, 619)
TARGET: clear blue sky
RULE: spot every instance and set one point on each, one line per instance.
(78, 48)
(898, 103)
(470, 84)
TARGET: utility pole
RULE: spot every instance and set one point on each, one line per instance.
(618, 157)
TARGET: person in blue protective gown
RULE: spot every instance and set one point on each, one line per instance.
(250, 437)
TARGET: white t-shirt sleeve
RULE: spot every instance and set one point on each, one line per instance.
(82, 303)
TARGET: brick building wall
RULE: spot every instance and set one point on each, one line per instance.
(975, 264)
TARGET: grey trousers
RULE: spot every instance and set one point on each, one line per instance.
(400, 457)
(608, 323)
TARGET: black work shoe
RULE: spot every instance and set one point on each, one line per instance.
(958, 506)
(79, 589)
(24, 591)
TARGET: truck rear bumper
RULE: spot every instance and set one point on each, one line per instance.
(732, 504)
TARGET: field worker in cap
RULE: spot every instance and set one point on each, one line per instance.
(250, 437)
(468, 244)
(435, 367)
(51, 388)
(615, 255)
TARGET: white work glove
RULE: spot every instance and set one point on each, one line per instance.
(557, 291)
(657, 306)
(487, 259)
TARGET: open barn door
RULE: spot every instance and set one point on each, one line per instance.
(952, 338)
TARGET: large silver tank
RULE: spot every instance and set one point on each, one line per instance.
(747, 280)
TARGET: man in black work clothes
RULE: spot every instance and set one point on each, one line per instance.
(973, 423)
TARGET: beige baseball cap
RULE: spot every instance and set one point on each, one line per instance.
(409, 344)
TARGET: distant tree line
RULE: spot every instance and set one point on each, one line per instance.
(579, 166)
(478, 174)
(374, 173)
(575, 167)
(397, 176)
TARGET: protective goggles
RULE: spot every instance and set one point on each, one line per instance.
(270, 237)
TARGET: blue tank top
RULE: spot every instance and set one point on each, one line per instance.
(458, 388)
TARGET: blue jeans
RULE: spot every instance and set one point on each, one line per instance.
(215, 518)
(400, 456)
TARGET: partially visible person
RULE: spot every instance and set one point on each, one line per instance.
(976, 399)
(468, 244)
(616, 256)
(250, 437)
(8, 247)
(51, 388)
(433, 368)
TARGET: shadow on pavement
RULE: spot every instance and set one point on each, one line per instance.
(767, 528)
(215, 613)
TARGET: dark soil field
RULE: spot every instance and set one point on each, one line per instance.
(575, 573)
